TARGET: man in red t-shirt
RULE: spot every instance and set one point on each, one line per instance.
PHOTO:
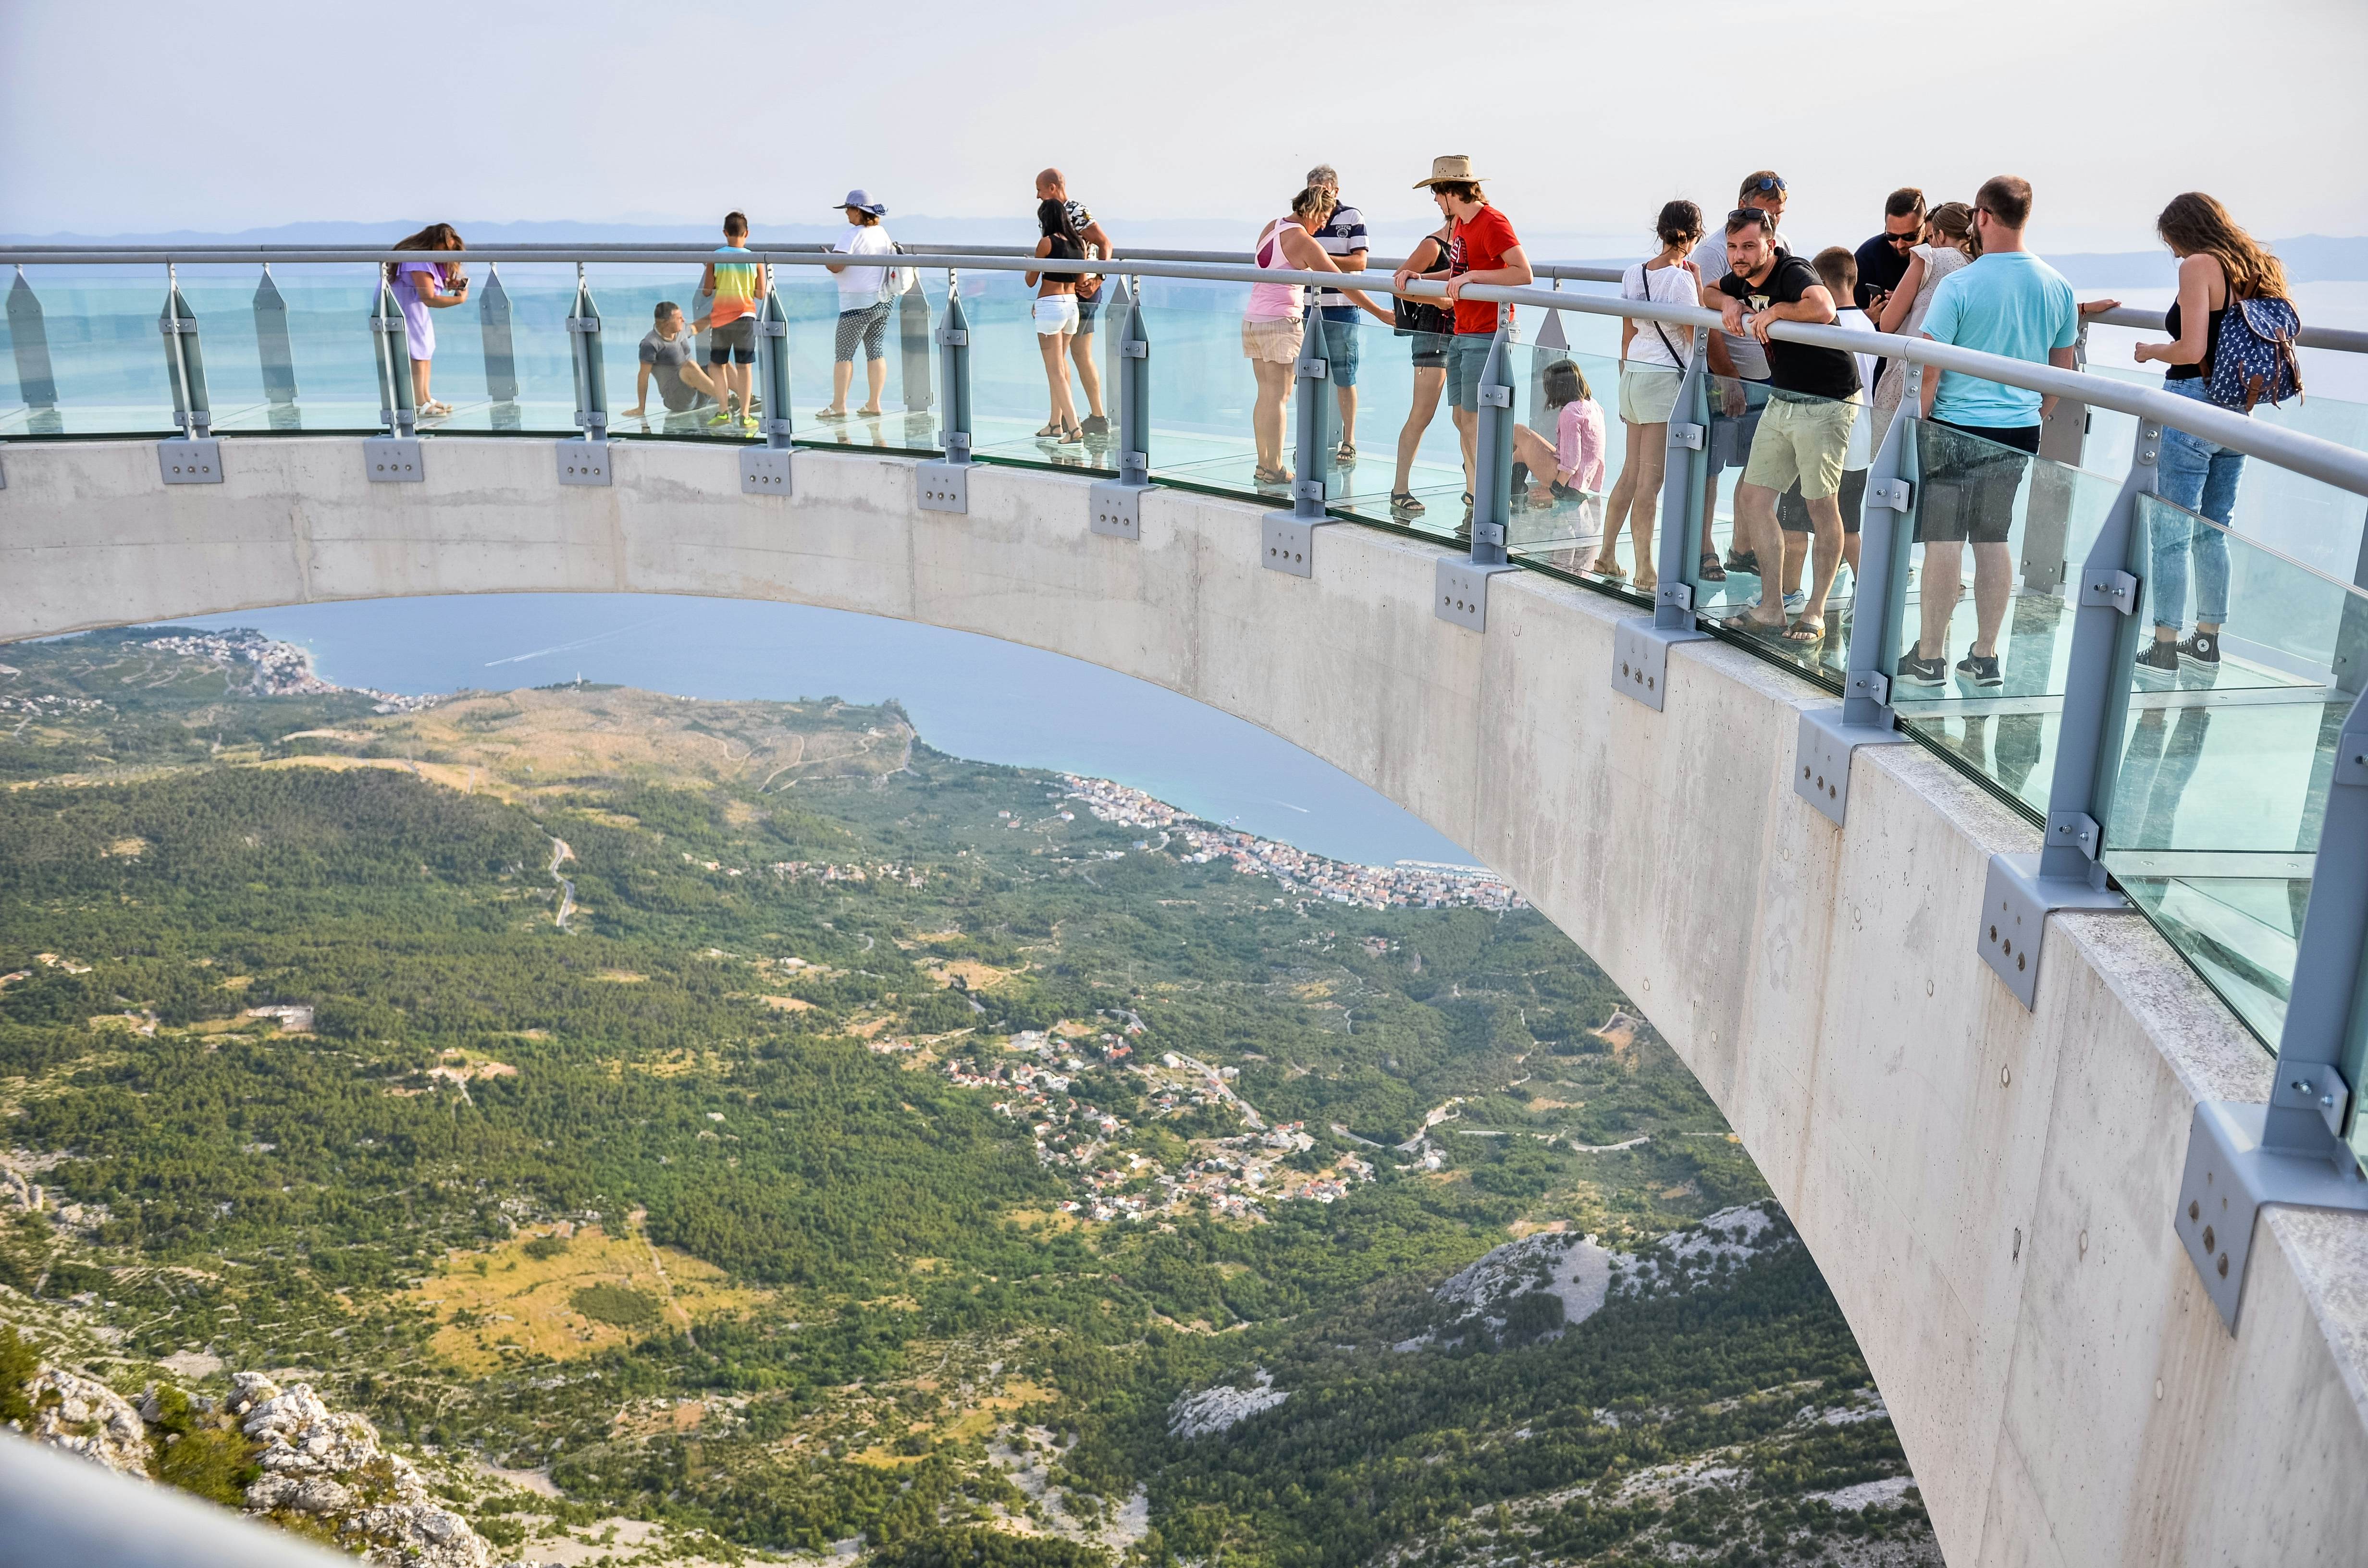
(1482, 248)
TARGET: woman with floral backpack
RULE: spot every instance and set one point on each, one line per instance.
(2233, 331)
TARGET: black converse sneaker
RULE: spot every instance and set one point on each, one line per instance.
(2204, 648)
(2161, 656)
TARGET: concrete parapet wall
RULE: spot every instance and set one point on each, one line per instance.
(1988, 1191)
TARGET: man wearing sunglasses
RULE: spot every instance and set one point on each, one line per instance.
(1882, 260)
(1741, 364)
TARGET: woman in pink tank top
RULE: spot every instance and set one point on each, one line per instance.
(1272, 324)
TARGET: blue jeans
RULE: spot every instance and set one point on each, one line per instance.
(2199, 477)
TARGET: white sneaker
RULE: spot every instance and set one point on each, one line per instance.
(1795, 602)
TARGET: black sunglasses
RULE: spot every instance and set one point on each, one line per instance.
(1751, 215)
(1907, 239)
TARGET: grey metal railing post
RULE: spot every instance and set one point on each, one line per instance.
(2307, 1146)
(29, 341)
(942, 485)
(1878, 611)
(591, 372)
(1115, 506)
(1134, 384)
(773, 369)
(501, 352)
(1310, 380)
(954, 349)
(2068, 872)
(1492, 458)
(1685, 471)
(397, 408)
(193, 457)
(587, 459)
(184, 361)
(278, 356)
(1831, 737)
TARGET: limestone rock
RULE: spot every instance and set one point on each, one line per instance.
(327, 1465)
(88, 1418)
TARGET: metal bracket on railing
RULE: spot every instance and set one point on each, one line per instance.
(2229, 1174)
(2113, 590)
(393, 460)
(193, 457)
(1462, 586)
(1690, 437)
(1896, 494)
(1288, 539)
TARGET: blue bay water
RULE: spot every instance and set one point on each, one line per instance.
(972, 696)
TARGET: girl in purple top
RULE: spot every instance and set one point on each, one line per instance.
(419, 288)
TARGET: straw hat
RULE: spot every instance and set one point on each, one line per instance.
(1454, 165)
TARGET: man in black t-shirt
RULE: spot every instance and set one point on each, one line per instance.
(1814, 400)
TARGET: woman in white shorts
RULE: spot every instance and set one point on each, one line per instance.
(1056, 318)
(1949, 244)
(1652, 368)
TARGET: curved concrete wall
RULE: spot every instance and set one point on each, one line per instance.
(1987, 1190)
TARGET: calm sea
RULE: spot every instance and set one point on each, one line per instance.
(971, 695)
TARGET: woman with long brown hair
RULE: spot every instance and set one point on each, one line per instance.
(2219, 263)
(420, 287)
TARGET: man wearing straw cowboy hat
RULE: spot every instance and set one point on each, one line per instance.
(1482, 248)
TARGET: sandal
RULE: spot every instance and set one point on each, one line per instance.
(1805, 631)
(1049, 433)
(1073, 435)
(1712, 572)
(431, 409)
(1263, 476)
(1346, 457)
(1744, 561)
(1403, 503)
(830, 417)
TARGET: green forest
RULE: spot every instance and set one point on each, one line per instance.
(708, 1108)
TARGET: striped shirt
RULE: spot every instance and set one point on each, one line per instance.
(735, 284)
(1340, 238)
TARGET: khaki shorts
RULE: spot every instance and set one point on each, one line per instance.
(1807, 441)
(1276, 341)
(1648, 395)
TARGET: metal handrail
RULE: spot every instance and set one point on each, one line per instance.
(2309, 455)
(2334, 339)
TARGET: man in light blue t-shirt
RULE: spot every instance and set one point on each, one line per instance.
(2011, 304)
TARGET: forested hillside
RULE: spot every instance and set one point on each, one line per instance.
(740, 1129)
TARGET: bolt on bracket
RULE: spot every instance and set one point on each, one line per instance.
(2015, 903)
(2229, 1176)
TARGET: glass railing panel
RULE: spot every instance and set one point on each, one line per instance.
(2229, 747)
(1979, 664)
(1404, 462)
(499, 360)
(83, 353)
(1767, 451)
(863, 355)
(1572, 454)
(660, 374)
(1016, 412)
(1204, 393)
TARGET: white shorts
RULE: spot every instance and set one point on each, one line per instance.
(1055, 313)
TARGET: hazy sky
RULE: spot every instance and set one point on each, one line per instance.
(1586, 113)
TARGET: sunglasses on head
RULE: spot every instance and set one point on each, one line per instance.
(1751, 215)
(1766, 182)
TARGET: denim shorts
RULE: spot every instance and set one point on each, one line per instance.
(1467, 356)
(1341, 338)
(1430, 349)
(1086, 311)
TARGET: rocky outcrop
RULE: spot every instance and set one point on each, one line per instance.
(72, 1413)
(1213, 1410)
(326, 1466)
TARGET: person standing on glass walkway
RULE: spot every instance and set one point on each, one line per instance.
(1652, 368)
(866, 294)
(420, 287)
(1056, 317)
(2008, 302)
(1094, 242)
(732, 283)
(1343, 239)
(1480, 248)
(1272, 322)
(2222, 273)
